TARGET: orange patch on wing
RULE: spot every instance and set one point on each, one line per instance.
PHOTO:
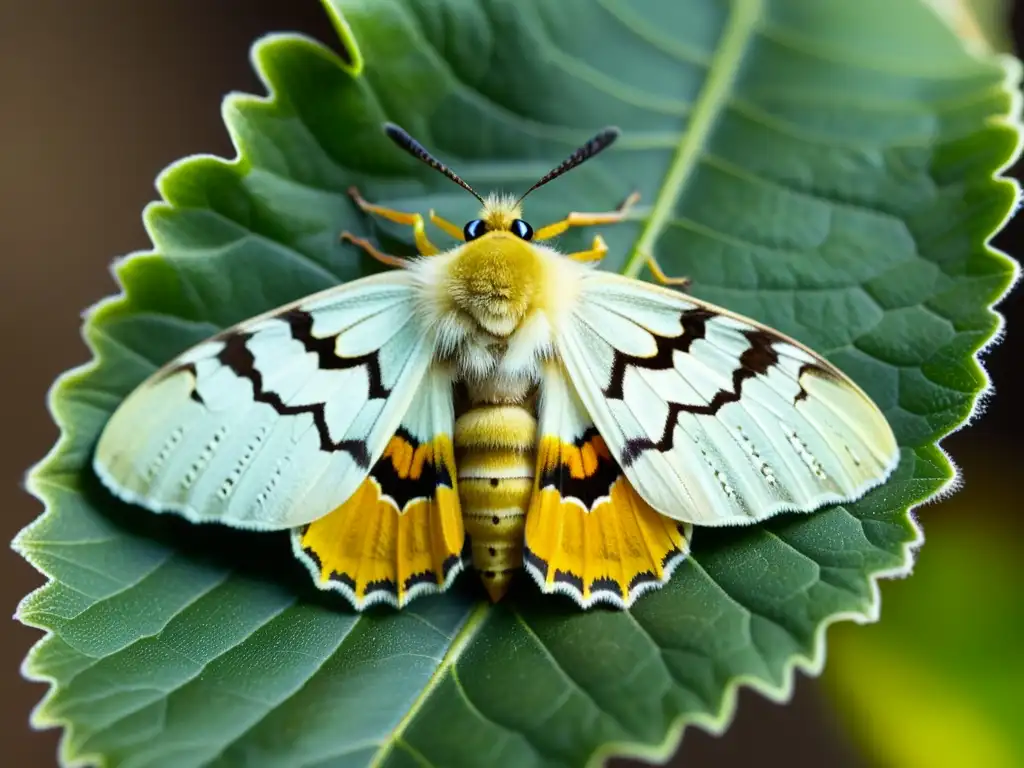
(580, 461)
(399, 534)
(407, 459)
(611, 552)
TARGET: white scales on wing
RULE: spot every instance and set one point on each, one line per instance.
(718, 420)
(268, 424)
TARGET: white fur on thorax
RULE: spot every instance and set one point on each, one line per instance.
(505, 366)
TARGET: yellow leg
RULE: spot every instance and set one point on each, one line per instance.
(576, 219)
(366, 245)
(596, 253)
(414, 220)
(673, 282)
(446, 226)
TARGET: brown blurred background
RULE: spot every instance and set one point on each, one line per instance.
(99, 97)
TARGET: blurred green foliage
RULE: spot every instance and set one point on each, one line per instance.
(940, 680)
(979, 19)
(992, 17)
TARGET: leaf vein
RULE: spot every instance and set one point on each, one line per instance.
(564, 673)
(340, 641)
(713, 97)
(654, 37)
(626, 93)
(201, 665)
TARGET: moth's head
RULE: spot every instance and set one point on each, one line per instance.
(495, 277)
(501, 213)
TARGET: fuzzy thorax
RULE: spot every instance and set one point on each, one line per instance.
(496, 280)
(495, 303)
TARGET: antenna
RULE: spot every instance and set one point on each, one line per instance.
(417, 150)
(600, 142)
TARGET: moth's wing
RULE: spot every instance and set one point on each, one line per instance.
(716, 419)
(589, 534)
(400, 534)
(273, 423)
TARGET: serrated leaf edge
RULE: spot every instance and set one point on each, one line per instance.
(811, 664)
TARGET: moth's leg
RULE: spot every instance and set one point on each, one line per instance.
(596, 253)
(414, 220)
(576, 219)
(446, 226)
(366, 245)
(682, 283)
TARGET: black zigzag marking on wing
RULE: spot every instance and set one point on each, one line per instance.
(814, 368)
(190, 369)
(237, 356)
(694, 322)
(756, 360)
(608, 584)
(389, 586)
(402, 490)
(300, 323)
(588, 490)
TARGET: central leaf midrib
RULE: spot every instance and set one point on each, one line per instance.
(459, 642)
(713, 96)
(725, 64)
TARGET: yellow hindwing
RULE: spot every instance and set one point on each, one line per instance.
(588, 532)
(399, 534)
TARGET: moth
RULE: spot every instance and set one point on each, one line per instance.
(498, 403)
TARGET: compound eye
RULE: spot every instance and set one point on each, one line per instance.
(521, 229)
(474, 229)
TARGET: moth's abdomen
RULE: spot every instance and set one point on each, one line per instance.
(495, 447)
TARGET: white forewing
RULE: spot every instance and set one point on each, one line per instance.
(716, 419)
(275, 422)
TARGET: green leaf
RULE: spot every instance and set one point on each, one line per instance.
(827, 168)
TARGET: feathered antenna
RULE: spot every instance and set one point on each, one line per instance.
(604, 139)
(417, 150)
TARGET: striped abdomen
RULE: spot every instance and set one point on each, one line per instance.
(495, 446)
